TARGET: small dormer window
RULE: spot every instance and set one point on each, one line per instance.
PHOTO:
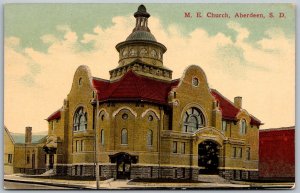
(195, 82)
(80, 81)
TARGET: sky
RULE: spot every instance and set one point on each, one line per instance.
(249, 57)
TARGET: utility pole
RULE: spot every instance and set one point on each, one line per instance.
(96, 145)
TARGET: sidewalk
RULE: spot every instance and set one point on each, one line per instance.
(127, 184)
(54, 182)
(266, 184)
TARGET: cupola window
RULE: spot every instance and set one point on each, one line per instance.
(153, 54)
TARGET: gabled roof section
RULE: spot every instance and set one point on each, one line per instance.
(134, 87)
(229, 110)
(19, 138)
(55, 115)
(9, 134)
(255, 121)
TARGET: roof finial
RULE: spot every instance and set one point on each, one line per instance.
(142, 12)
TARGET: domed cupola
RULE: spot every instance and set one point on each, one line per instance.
(141, 52)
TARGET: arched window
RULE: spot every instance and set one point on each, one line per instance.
(192, 120)
(102, 136)
(143, 52)
(80, 120)
(150, 137)
(124, 136)
(153, 54)
(133, 52)
(243, 126)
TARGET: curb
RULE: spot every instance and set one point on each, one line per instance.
(50, 184)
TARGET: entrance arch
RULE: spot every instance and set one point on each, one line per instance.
(123, 163)
(208, 157)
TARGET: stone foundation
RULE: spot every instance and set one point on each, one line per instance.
(108, 171)
(238, 174)
(148, 172)
(141, 172)
(61, 170)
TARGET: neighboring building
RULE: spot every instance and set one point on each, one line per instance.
(27, 156)
(9, 146)
(148, 125)
(277, 154)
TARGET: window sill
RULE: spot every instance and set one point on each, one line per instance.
(237, 158)
(79, 131)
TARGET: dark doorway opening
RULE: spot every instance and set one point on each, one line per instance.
(33, 161)
(51, 161)
(123, 162)
(208, 157)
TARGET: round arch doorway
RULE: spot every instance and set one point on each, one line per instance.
(208, 157)
(123, 164)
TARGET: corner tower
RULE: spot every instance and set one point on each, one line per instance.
(141, 52)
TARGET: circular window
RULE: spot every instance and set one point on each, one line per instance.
(150, 118)
(124, 116)
(195, 82)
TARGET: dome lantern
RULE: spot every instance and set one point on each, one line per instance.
(141, 46)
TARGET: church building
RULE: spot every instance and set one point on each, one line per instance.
(141, 123)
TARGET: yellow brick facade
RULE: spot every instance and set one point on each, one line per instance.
(25, 157)
(158, 141)
(9, 155)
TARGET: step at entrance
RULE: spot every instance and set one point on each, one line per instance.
(48, 173)
(212, 179)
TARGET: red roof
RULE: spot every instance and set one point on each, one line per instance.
(55, 115)
(229, 110)
(255, 121)
(134, 87)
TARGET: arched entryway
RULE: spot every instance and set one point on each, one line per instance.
(123, 163)
(208, 157)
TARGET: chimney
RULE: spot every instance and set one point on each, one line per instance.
(28, 135)
(238, 101)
